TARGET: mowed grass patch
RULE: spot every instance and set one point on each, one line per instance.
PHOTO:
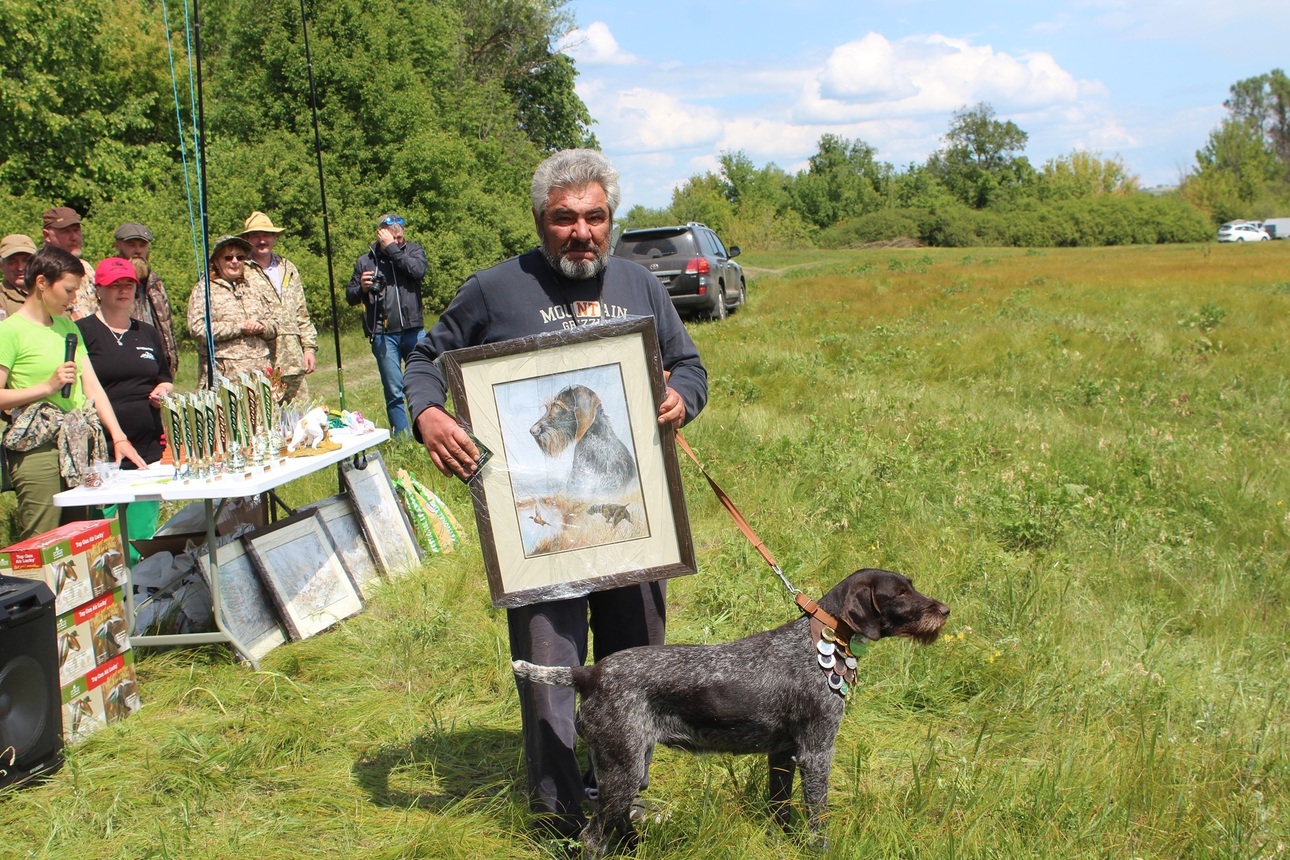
(1082, 451)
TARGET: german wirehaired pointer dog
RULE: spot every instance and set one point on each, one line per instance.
(602, 465)
(775, 692)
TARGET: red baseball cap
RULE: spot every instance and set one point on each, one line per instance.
(114, 269)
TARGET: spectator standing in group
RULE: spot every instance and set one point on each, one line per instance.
(129, 360)
(387, 283)
(133, 241)
(241, 316)
(61, 228)
(569, 277)
(296, 346)
(51, 437)
(15, 250)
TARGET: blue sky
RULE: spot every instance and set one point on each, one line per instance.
(672, 84)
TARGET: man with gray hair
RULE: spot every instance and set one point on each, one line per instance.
(568, 281)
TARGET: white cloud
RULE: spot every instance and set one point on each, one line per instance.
(638, 120)
(594, 46)
(921, 75)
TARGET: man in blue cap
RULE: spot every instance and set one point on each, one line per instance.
(387, 283)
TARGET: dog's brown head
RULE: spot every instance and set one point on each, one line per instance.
(567, 417)
(879, 603)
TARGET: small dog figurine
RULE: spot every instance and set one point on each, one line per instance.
(602, 465)
(770, 693)
(310, 430)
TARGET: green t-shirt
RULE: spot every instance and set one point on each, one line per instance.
(32, 352)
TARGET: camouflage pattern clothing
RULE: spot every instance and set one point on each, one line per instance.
(152, 306)
(232, 305)
(11, 298)
(296, 332)
(87, 301)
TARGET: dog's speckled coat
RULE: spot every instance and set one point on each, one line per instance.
(762, 694)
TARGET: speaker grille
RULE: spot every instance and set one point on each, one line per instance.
(24, 705)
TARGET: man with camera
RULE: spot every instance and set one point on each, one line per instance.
(387, 283)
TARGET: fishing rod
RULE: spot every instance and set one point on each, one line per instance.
(201, 193)
(322, 190)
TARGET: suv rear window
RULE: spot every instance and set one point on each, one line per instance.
(640, 245)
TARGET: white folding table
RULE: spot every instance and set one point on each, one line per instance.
(157, 483)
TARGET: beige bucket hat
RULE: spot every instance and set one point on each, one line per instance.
(258, 222)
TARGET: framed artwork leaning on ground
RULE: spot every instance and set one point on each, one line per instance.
(583, 491)
(303, 574)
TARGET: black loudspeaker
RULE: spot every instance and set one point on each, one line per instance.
(31, 713)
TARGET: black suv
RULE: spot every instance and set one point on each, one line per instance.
(695, 268)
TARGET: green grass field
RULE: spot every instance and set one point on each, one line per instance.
(1083, 452)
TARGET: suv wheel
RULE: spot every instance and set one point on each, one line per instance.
(719, 311)
(743, 297)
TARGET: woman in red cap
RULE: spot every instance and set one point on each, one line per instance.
(52, 438)
(130, 361)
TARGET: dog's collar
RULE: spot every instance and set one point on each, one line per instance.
(837, 650)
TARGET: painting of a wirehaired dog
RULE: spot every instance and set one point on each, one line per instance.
(572, 460)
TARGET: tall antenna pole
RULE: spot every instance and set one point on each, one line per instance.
(322, 190)
(201, 178)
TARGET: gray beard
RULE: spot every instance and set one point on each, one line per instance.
(583, 271)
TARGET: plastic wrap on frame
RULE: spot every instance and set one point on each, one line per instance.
(583, 489)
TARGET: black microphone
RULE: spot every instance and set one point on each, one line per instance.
(69, 353)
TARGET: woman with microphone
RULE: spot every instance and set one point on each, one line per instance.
(45, 380)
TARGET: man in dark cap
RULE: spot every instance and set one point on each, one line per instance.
(61, 228)
(15, 250)
(133, 241)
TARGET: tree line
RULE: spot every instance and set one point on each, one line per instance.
(436, 109)
(980, 189)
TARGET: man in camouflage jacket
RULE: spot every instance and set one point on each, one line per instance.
(133, 241)
(279, 279)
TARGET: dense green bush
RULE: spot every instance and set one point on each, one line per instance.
(883, 225)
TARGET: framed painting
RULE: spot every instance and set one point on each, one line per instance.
(303, 574)
(389, 534)
(246, 610)
(346, 532)
(583, 491)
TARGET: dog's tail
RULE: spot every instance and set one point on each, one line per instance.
(560, 676)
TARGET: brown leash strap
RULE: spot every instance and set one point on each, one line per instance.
(806, 604)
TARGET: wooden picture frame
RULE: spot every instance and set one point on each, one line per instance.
(583, 492)
(303, 574)
(340, 518)
(386, 526)
(247, 611)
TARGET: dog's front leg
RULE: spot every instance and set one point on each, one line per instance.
(782, 767)
(815, 788)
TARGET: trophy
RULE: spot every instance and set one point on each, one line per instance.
(231, 410)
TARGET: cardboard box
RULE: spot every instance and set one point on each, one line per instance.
(104, 695)
(79, 561)
(189, 526)
(78, 652)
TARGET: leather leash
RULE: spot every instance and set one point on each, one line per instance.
(806, 604)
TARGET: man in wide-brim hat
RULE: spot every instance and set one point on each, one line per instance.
(242, 327)
(297, 342)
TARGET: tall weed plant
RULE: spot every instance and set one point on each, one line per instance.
(1083, 452)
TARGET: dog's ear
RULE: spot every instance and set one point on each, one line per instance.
(861, 613)
(586, 403)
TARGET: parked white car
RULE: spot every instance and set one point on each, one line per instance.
(1242, 233)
